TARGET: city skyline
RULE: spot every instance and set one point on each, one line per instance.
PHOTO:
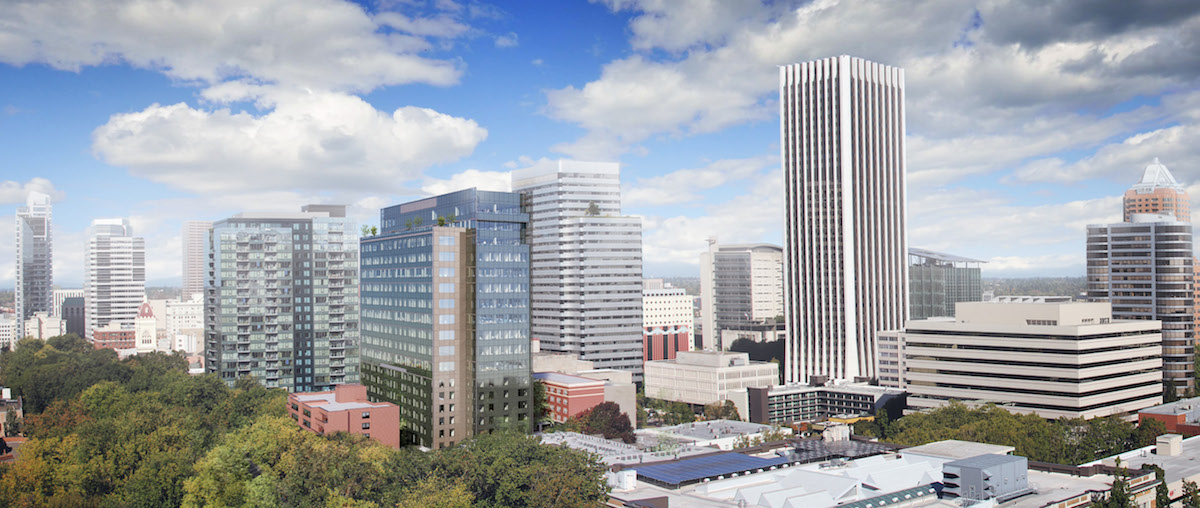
(1024, 133)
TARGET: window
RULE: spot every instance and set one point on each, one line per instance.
(446, 257)
(446, 303)
(445, 240)
(446, 350)
(447, 271)
(446, 319)
(366, 414)
(446, 287)
(445, 366)
(445, 334)
(366, 425)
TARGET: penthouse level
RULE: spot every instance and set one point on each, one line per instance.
(1052, 359)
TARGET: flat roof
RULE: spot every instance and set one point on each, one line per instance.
(985, 460)
(566, 379)
(955, 449)
(941, 256)
(1179, 407)
(714, 429)
(710, 466)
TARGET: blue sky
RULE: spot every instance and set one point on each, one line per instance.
(1026, 119)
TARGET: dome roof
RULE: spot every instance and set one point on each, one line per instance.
(145, 310)
(1157, 176)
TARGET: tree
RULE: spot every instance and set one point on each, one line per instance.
(593, 209)
(1170, 393)
(1191, 494)
(1148, 431)
(541, 407)
(374, 230)
(605, 419)
(723, 410)
(1162, 497)
(366, 230)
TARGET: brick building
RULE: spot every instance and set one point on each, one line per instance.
(570, 395)
(346, 409)
(1181, 417)
(114, 336)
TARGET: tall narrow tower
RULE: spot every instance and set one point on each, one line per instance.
(114, 283)
(35, 274)
(195, 257)
(843, 158)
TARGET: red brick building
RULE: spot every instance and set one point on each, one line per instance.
(346, 409)
(570, 395)
(114, 337)
(1180, 417)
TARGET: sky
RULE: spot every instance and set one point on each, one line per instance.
(1026, 119)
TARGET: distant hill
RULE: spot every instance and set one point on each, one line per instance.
(690, 284)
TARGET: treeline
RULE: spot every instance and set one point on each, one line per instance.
(1061, 441)
(1035, 286)
(142, 432)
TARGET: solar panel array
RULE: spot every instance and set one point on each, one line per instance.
(683, 472)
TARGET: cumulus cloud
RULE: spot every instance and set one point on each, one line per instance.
(684, 185)
(328, 44)
(509, 40)
(483, 180)
(12, 192)
(320, 140)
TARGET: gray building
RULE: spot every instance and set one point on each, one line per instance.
(73, 313)
(114, 283)
(788, 404)
(988, 476)
(35, 263)
(740, 285)
(446, 315)
(937, 281)
(281, 299)
(1144, 268)
(586, 262)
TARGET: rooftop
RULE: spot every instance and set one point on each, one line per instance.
(1156, 176)
(954, 449)
(715, 429)
(565, 379)
(939, 256)
(1179, 407)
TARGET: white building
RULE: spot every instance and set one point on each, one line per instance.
(34, 253)
(739, 284)
(42, 325)
(668, 320)
(59, 296)
(185, 323)
(10, 330)
(145, 329)
(586, 263)
(846, 266)
(115, 275)
(705, 377)
(195, 254)
(1056, 360)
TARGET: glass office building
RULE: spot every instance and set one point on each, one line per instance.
(937, 281)
(281, 299)
(446, 315)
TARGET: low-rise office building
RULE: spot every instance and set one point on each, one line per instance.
(346, 408)
(1055, 360)
(705, 377)
(1181, 417)
(569, 395)
(114, 336)
(618, 384)
(667, 320)
(794, 403)
(42, 325)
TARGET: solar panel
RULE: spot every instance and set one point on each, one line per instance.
(687, 471)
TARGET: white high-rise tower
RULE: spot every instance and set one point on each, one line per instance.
(114, 283)
(195, 257)
(843, 153)
(35, 263)
(585, 263)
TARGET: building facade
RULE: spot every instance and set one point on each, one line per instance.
(42, 325)
(59, 296)
(346, 408)
(586, 262)
(667, 321)
(281, 299)
(1157, 192)
(195, 257)
(568, 395)
(74, 312)
(35, 256)
(1144, 268)
(845, 246)
(739, 285)
(1056, 360)
(705, 377)
(114, 336)
(937, 281)
(788, 404)
(1180, 417)
(145, 330)
(446, 315)
(114, 283)
(10, 331)
(185, 323)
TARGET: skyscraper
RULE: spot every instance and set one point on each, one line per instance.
(739, 284)
(1144, 268)
(586, 280)
(114, 283)
(843, 160)
(195, 256)
(446, 315)
(281, 300)
(1158, 192)
(35, 267)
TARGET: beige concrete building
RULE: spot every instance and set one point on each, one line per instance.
(704, 377)
(42, 325)
(1051, 359)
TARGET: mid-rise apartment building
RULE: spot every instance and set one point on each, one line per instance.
(843, 155)
(1056, 360)
(739, 285)
(586, 262)
(114, 283)
(35, 258)
(446, 315)
(281, 299)
(1144, 268)
(346, 408)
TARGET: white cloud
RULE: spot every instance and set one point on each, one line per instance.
(442, 26)
(315, 140)
(1172, 145)
(682, 186)
(509, 40)
(328, 44)
(483, 180)
(1066, 265)
(12, 192)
